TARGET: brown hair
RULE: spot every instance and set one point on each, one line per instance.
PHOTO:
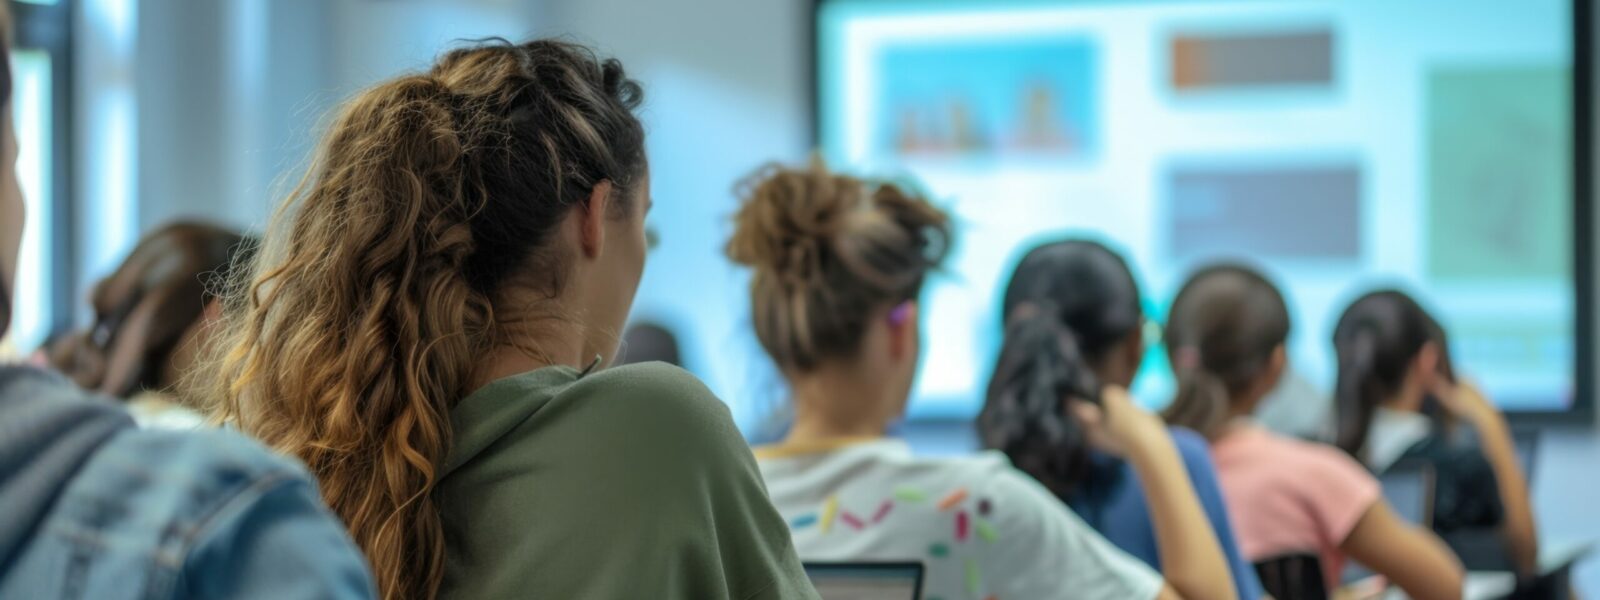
(144, 308)
(828, 250)
(388, 275)
(1225, 324)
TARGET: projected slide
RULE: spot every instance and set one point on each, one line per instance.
(1333, 143)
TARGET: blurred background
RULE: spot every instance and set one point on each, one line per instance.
(1341, 145)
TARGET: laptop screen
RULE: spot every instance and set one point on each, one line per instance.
(866, 581)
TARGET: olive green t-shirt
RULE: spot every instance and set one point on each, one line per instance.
(630, 482)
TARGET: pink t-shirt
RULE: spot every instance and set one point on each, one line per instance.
(1286, 496)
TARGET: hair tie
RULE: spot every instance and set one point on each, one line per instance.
(900, 314)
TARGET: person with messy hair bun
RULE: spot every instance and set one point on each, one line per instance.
(837, 266)
(429, 328)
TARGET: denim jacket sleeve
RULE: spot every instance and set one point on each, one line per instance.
(200, 514)
(276, 540)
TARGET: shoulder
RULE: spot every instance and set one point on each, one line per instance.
(1192, 447)
(648, 397)
(647, 389)
(652, 413)
(215, 466)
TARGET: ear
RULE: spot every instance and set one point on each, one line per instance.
(902, 324)
(1425, 367)
(1135, 350)
(1276, 365)
(591, 216)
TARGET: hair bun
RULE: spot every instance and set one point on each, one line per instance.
(788, 218)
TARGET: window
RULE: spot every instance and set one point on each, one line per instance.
(40, 109)
(31, 107)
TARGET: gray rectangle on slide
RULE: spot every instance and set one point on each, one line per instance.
(1213, 62)
(1264, 212)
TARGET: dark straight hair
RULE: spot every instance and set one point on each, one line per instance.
(1376, 340)
(1068, 304)
(1226, 322)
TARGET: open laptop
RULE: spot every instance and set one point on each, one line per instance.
(866, 580)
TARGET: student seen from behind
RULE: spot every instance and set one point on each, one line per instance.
(1074, 325)
(1399, 399)
(152, 319)
(429, 328)
(1225, 338)
(838, 263)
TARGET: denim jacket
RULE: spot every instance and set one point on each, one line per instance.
(93, 507)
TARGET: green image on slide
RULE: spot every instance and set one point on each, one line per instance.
(1499, 169)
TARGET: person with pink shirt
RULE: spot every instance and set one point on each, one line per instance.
(1226, 338)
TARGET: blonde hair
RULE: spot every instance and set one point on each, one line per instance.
(377, 292)
(828, 251)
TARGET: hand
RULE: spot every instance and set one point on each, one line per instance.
(1117, 425)
(1466, 401)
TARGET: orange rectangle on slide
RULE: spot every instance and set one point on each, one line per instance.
(1202, 62)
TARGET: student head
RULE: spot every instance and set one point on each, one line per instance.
(1073, 323)
(1390, 352)
(148, 313)
(11, 208)
(486, 212)
(647, 342)
(1225, 340)
(838, 263)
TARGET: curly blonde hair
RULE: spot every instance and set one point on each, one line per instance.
(385, 277)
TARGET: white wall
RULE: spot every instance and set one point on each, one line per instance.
(726, 90)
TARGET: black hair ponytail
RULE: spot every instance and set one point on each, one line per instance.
(1026, 415)
(1376, 340)
(1201, 403)
(1356, 395)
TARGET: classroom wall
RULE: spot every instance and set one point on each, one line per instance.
(228, 94)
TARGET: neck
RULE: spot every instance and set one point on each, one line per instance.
(560, 343)
(1407, 399)
(832, 405)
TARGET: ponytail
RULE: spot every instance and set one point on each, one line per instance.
(1357, 394)
(1202, 401)
(1041, 368)
(1226, 324)
(1376, 340)
(374, 299)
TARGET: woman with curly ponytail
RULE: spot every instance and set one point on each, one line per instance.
(429, 326)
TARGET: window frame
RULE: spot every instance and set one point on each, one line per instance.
(48, 27)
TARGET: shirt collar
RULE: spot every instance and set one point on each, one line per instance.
(831, 445)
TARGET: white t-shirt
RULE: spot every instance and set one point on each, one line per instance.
(984, 529)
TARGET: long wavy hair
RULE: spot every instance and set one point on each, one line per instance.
(387, 275)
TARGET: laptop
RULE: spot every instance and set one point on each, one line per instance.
(866, 580)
